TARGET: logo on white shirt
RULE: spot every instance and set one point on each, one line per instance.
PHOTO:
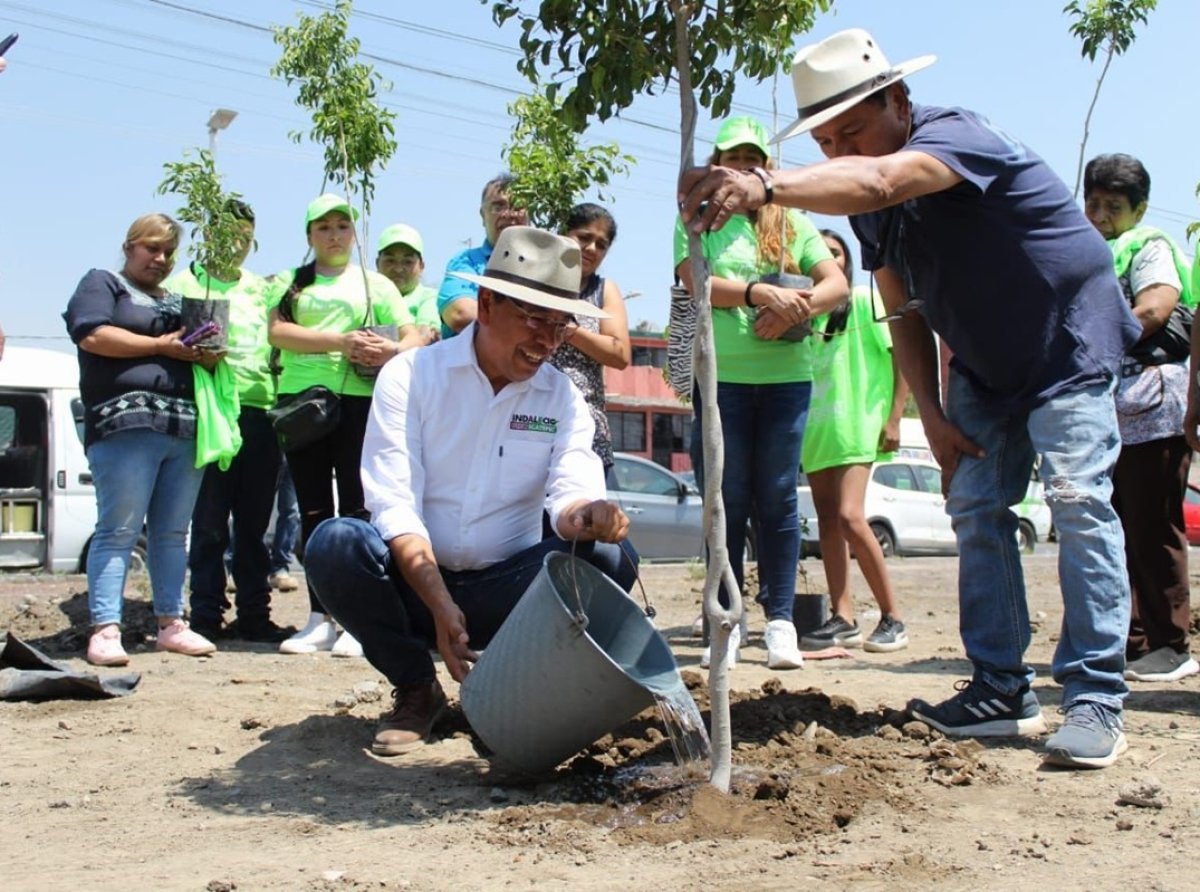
(542, 424)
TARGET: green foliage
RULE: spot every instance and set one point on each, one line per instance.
(552, 171)
(1107, 24)
(340, 92)
(604, 53)
(1103, 25)
(218, 236)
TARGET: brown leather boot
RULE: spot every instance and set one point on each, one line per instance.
(415, 710)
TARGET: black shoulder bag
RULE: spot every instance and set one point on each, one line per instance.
(305, 417)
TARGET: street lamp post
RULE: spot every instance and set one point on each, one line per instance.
(218, 120)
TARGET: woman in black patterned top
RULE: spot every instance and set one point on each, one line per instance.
(598, 342)
(139, 422)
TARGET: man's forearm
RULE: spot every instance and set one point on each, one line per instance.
(839, 187)
(415, 559)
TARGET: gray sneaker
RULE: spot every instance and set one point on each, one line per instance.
(1163, 664)
(888, 636)
(1090, 737)
(834, 632)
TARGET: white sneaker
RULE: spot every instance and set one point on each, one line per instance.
(735, 641)
(346, 646)
(783, 651)
(319, 633)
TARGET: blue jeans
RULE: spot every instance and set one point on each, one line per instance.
(287, 522)
(352, 568)
(1076, 436)
(763, 429)
(141, 477)
(247, 492)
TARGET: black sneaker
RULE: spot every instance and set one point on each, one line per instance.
(979, 710)
(888, 636)
(1163, 664)
(834, 632)
(211, 631)
(264, 631)
(1091, 737)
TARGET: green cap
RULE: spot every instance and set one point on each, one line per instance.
(319, 207)
(742, 131)
(401, 234)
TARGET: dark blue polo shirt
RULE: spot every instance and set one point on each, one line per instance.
(1013, 277)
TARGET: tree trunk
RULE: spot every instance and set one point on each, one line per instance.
(720, 620)
(1087, 121)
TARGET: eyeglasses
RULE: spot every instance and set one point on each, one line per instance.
(913, 303)
(559, 327)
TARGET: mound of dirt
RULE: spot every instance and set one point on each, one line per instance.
(805, 764)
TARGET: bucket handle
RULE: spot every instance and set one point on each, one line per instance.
(581, 619)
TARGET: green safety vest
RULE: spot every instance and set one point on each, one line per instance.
(1127, 245)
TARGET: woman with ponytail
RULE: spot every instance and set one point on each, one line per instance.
(853, 420)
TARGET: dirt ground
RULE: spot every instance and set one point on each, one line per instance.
(252, 770)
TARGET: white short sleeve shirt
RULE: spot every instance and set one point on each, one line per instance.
(468, 469)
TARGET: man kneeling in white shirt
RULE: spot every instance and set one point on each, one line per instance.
(469, 440)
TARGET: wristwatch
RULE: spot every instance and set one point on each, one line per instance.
(768, 183)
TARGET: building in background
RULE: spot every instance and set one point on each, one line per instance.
(645, 416)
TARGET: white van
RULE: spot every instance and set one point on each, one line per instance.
(47, 501)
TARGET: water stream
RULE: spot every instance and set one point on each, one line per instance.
(685, 726)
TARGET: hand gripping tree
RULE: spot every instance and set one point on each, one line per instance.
(551, 170)
(1103, 25)
(341, 94)
(604, 55)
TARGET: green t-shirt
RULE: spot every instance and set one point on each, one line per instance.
(332, 304)
(419, 307)
(249, 353)
(852, 391)
(742, 356)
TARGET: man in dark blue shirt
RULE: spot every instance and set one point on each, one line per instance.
(971, 236)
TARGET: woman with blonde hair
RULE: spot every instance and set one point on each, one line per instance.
(764, 375)
(139, 432)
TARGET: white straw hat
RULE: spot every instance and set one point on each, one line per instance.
(840, 71)
(536, 267)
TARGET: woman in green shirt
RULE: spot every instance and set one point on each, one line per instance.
(764, 378)
(320, 331)
(858, 397)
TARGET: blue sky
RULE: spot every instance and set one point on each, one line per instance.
(99, 94)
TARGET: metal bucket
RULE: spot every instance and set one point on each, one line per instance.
(574, 659)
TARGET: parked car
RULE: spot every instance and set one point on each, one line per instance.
(1191, 514)
(907, 513)
(666, 514)
(47, 500)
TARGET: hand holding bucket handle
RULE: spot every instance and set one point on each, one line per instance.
(600, 520)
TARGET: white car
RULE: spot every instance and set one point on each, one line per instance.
(907, 513)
